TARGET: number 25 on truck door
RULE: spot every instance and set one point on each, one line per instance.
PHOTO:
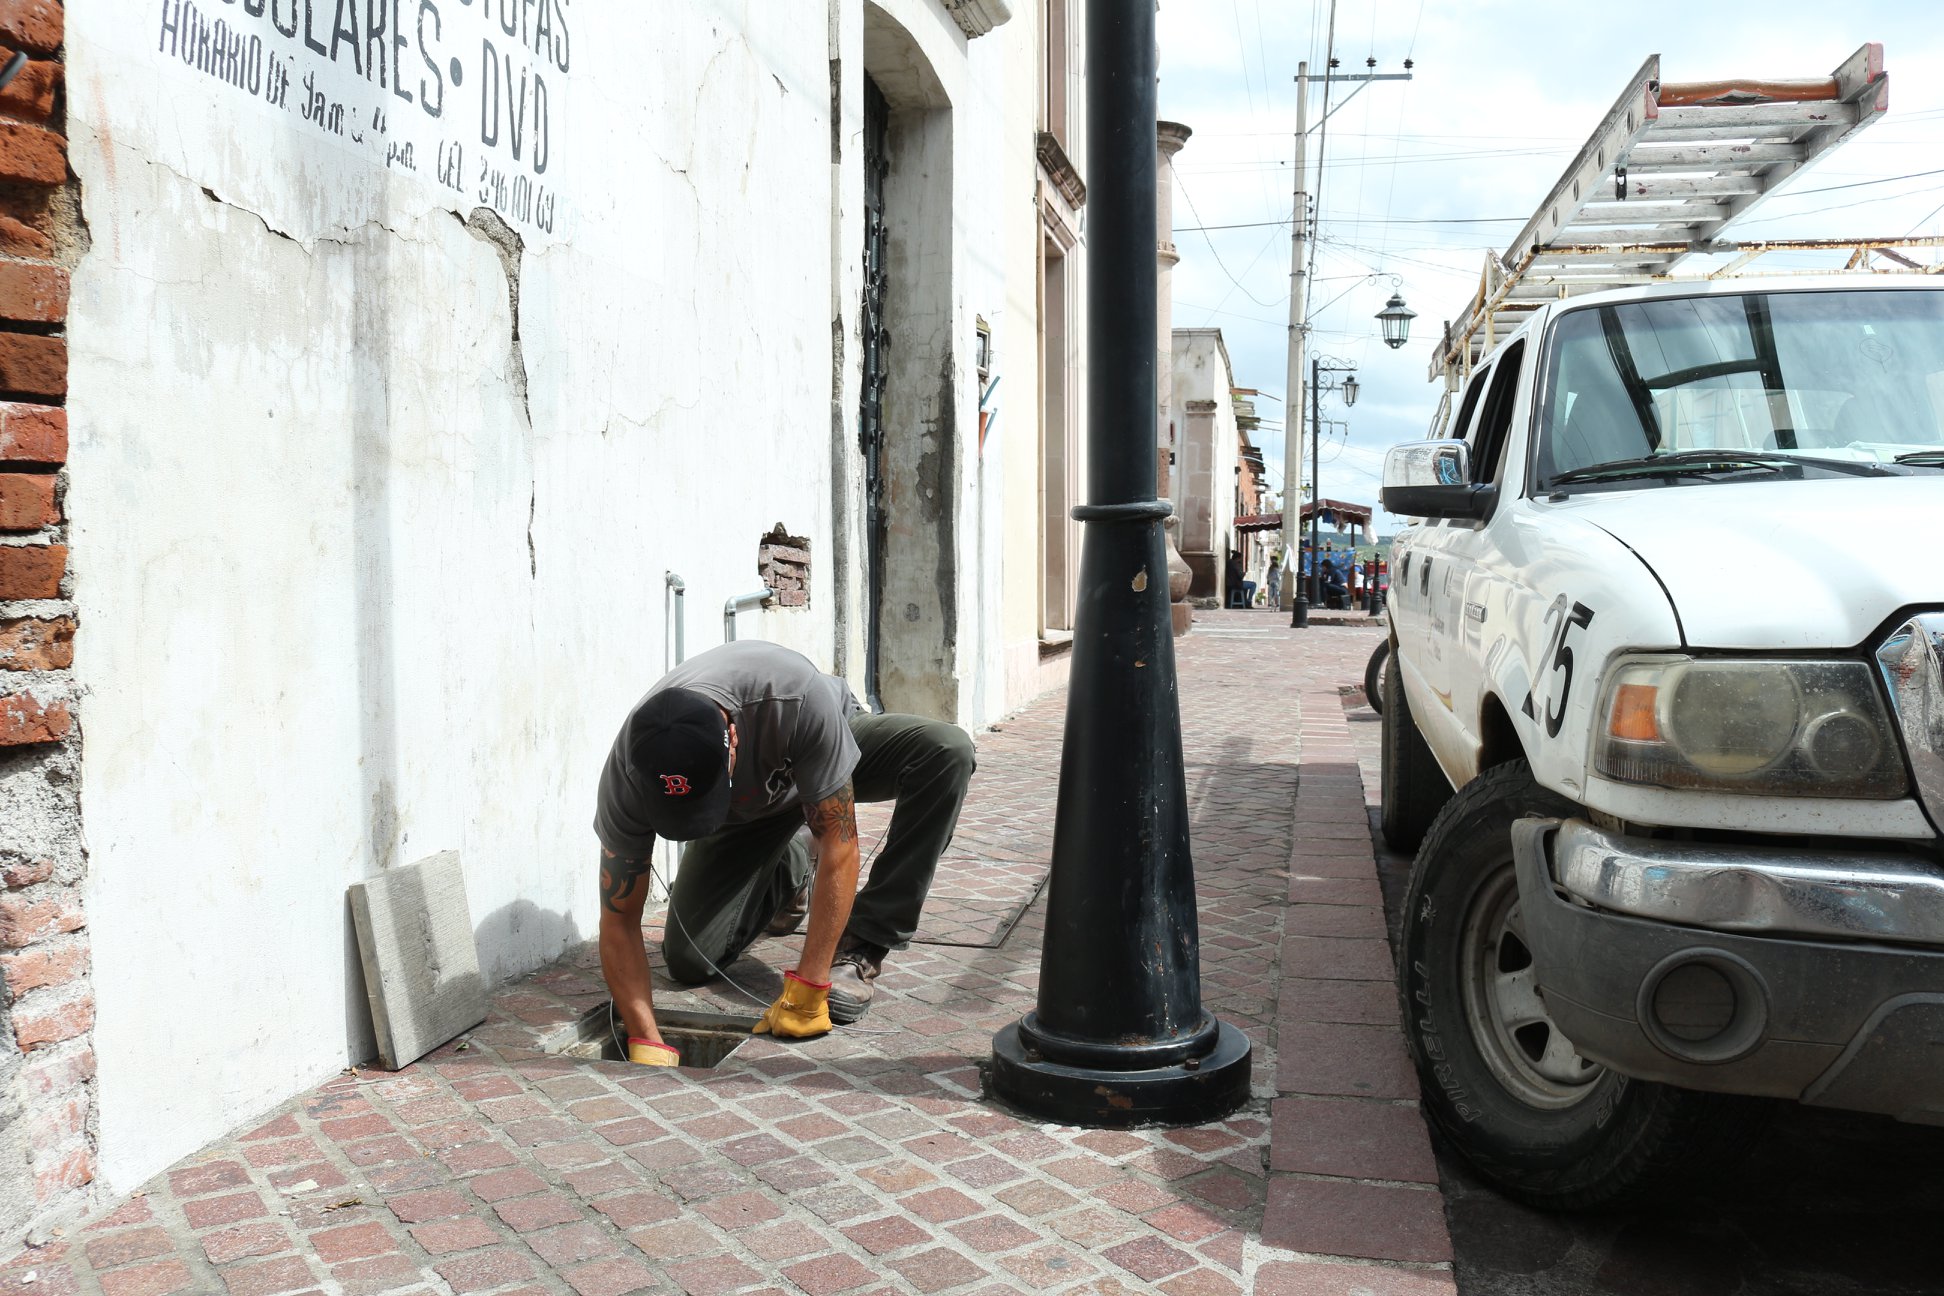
(1556, 661)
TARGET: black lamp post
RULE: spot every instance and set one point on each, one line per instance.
(1396, 318)
(1119, 1035)
(1349, 389)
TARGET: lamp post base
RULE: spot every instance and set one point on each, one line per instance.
(1193, 1091)
(1299, 614)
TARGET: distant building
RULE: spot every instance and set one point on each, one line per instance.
(1208, 446)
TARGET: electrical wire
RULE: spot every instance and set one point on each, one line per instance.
(1248, 89)
(1386, 220)
(1496, 220)
(1390, 197)
(1815, 211)
(1322, 131)
(1211, 243)
(1920, 224)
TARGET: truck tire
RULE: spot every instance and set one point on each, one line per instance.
(1374, 677)
(1540, 1122)
(1412, 787)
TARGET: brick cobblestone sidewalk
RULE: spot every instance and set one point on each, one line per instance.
(868, 1161)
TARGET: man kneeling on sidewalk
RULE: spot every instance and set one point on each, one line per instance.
(732, 752)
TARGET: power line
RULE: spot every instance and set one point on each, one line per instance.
(1369, 220)
(1494, 220)
(1390, 196)
(1860, 202)
(1248, 89)
(1211, 243)
(1932, 212)
(1323, 126)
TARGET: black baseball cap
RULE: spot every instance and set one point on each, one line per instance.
(679, 744)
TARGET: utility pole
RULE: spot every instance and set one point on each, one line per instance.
(1292, 508)
(1294, 601)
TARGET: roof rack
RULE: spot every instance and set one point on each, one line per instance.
(1670, 168)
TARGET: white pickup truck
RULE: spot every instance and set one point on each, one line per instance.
(1665, 711)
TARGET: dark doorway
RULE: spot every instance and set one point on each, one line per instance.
(877, 118)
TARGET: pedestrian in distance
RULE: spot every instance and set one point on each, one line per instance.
(1335, 593)
(1274, 580)
(732, 753)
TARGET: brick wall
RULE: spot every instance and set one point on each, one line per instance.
(47, 1151)
(783, 561)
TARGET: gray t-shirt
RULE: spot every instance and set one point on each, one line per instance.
(793, 738)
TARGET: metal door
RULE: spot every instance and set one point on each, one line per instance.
(871, 402)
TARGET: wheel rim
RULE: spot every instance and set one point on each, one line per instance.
(1527, 1054)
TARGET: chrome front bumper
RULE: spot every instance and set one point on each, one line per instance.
(1790, 974)
(1851, 895)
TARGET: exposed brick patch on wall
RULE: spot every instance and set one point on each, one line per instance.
(26, 720)
(47, 1009)
(36, 643)
(783, 560)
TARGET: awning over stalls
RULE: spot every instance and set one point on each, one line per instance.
(1346, 516)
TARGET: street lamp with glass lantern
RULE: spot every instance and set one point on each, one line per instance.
(1396, 318)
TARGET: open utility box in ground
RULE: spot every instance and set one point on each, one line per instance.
(705, 1039)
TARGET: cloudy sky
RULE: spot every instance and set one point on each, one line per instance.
(1422, 178)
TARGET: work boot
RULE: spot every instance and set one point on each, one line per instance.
(853, 979)
(790, 917)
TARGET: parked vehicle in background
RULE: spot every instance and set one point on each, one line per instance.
(1664, 721)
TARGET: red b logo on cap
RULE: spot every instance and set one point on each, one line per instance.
(674, 784)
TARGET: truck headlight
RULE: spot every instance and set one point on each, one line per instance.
(1813, 728)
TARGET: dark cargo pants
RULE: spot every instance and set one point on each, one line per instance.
(732, 882)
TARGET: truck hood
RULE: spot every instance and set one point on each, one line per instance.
(1785, 564)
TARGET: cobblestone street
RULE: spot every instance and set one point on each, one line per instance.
(868, 1161)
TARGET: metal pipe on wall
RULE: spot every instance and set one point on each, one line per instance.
(678, 616)
(741, 603)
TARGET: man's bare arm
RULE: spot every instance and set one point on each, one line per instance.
(833, 821)
(624, 958)
(619, 878)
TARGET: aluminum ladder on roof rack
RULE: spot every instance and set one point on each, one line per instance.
(1669, 168)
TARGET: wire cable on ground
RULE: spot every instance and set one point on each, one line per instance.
(744, 991)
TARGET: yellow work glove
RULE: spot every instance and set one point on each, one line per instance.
(802, 1010)
(648, 1053)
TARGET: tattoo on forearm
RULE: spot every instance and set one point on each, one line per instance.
(618, 878)
(834, 818)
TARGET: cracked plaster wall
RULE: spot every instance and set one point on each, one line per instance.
(374, 563)
(947, 265)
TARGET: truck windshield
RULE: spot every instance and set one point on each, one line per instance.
(1844, 376)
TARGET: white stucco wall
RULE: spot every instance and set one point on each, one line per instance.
(351, 598)
(1015, 447)
(1012, 444)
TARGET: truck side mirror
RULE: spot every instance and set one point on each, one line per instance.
(1432, 479)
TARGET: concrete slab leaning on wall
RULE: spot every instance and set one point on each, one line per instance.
(415, 936)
